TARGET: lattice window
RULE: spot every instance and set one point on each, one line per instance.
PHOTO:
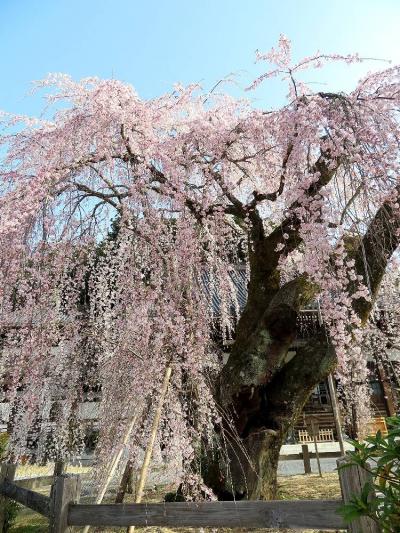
(324, 435)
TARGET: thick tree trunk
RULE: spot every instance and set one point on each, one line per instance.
(244, 468)
(257, 423)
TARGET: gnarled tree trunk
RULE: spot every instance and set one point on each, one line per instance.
(261, 389)
(258, 420)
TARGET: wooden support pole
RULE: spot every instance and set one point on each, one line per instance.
(387, 390)
(306, 458)
(117, 459)
(125, 481)
(336, 413)
(66, 491)
(114, 463)
(7, 473)
(149, 450)
(334, 402)
(131, 481)
(316, 449)
(352, 480)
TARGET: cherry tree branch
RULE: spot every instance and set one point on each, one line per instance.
(374, 251)
(289, 227)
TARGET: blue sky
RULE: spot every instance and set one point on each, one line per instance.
(154, 43)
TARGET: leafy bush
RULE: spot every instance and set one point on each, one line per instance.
(3, 444)
(381, 457)
(12, 508)
(11, 512)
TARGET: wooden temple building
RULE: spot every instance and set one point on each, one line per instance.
(385, 391)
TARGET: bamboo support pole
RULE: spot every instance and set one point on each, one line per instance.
(114, 463)
(116, 460)
(149, 450)
(336, 413)
(334, 402)
(314, 432)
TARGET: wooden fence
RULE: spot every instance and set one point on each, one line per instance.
(63, 509)
(306, 455)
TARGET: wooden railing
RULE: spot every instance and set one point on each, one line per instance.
(305, 514)
(324, 435)
(63, 509)
(306, 455)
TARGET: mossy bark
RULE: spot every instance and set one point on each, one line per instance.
(262, 394)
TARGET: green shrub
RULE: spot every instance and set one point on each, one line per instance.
(12, 508)
(3, 444)
(381, 457)
(11, 512)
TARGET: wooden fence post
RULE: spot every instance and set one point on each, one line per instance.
(59, 468)
(352, 480)
(7, 472)
(66, 490)
(306, 458)
(126, 482)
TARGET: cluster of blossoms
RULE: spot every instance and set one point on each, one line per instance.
(82, 308)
